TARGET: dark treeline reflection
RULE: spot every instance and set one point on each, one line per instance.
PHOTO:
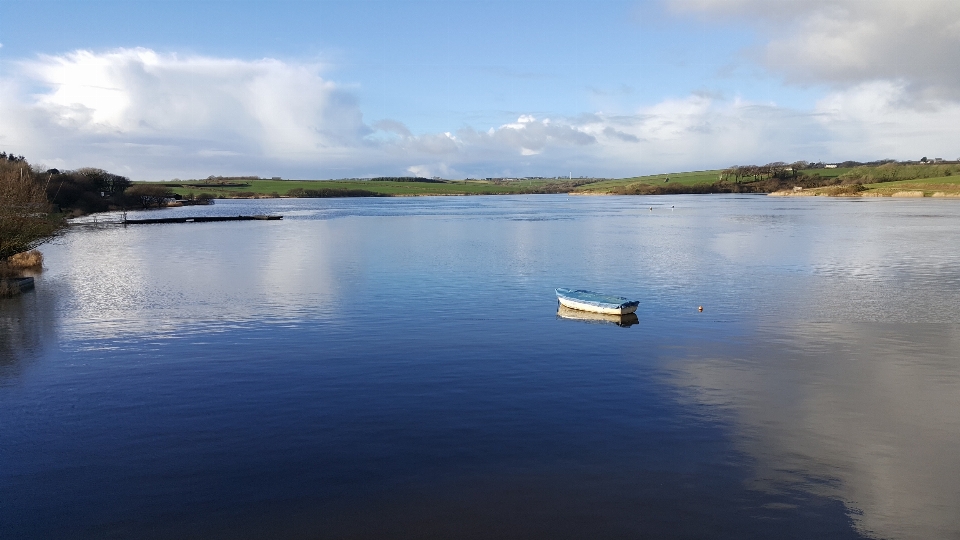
(27, 324)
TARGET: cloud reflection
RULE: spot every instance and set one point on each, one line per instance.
(162, 280)
(868, 413)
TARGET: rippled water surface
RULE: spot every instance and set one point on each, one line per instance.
(371, 368)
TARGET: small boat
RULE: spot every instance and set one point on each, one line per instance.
(624, 321)
(596, 302)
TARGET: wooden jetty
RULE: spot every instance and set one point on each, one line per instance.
(199, 219)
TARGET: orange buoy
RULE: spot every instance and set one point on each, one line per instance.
(700, 309)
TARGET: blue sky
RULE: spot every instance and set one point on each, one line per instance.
(163, 89)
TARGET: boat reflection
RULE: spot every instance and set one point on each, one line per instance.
(563, 312)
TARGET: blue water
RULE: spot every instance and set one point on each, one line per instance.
(371, 368)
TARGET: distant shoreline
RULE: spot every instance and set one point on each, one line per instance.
(885, 180)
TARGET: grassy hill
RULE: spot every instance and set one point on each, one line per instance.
(895, 179)
(882, 180)
(682, 179)
(946, 185)
(383, 188)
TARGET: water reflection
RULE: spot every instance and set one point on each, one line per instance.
(868, 413)
(198, 372)
(630, 319)
(119, 281)
(27, 324)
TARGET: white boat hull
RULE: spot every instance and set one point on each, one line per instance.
(573, 304)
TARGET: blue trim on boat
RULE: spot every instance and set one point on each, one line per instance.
(596, 299)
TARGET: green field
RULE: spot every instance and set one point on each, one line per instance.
(828, 173)
(942, 179)
(280, 188)
(929, 186)
(268, 188)
(684, 178)
(895, 179)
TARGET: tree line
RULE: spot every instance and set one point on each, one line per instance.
(27, 218)
(35, 203)
(776, 169)
(85, 190)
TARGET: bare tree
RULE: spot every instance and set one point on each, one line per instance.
(798, 166)
(26, 220)
(776, 169)
(736, 172)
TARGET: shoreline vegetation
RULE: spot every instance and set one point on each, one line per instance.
(41, 200)
(36, 202)
(27, 218)
(878, 179)
(255, 187)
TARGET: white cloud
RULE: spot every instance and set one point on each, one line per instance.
(892, 67)
(151, 115)
(392, 126)
(94, 104)
(880, 117)
(847, 42)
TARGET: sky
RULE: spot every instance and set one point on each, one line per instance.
(166, 89)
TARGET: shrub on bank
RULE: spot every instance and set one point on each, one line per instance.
(847, 189)
(13, 269)
(27, 260)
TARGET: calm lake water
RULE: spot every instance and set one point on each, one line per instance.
(371, 368)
